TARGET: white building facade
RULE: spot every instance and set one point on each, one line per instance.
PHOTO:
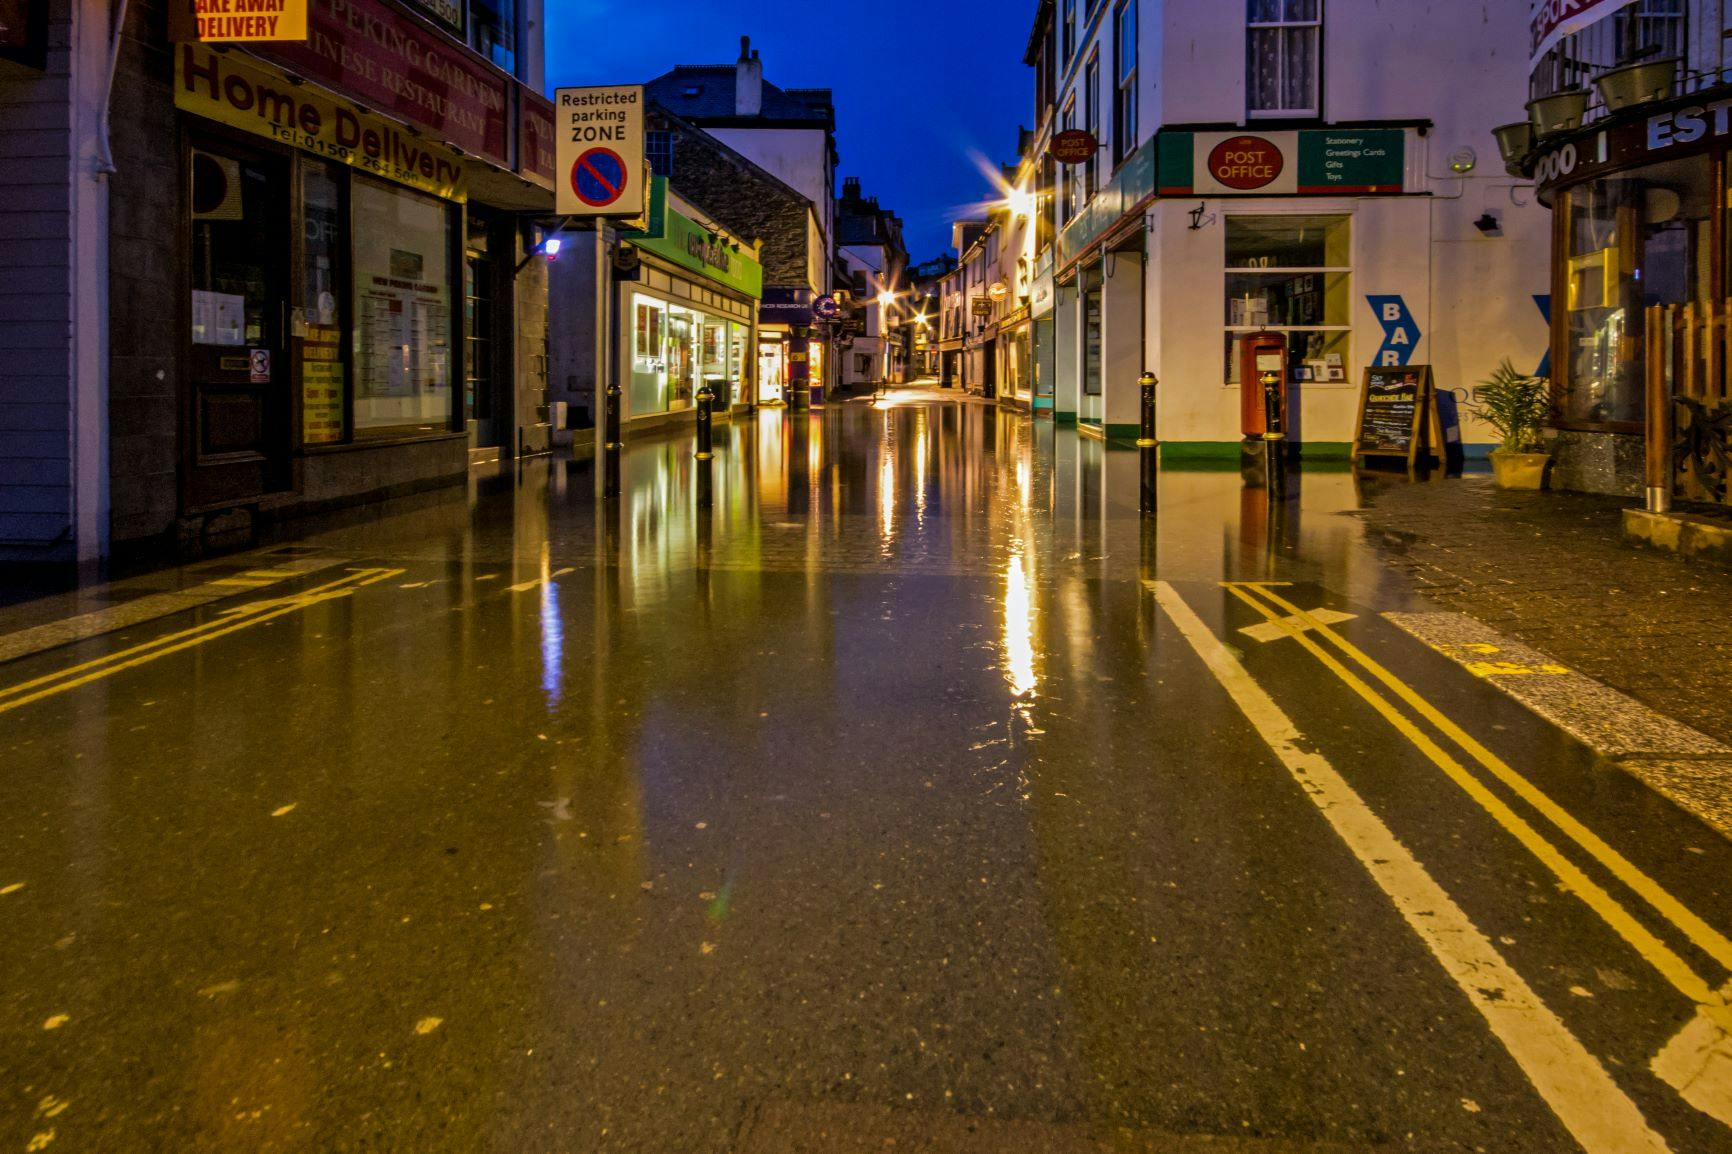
(1320, 168)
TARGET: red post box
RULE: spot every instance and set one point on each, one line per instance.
(1262, 367)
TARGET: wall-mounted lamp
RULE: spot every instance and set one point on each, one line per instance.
(548, 246)
(1197, 216)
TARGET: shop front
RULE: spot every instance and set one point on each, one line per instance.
(339, 305)
(321, 282)
(1639, 268)
(1042, 362)
(1014, 357)
(788, 345)
(690, 316)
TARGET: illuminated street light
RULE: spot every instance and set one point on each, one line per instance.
(1020, 202)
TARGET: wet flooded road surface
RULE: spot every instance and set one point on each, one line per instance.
(919, 790)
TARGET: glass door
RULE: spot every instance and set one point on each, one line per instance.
(238, 373)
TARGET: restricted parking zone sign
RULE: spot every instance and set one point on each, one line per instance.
(600, 152)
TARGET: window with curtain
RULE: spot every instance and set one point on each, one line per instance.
(1283, 49)
(1125, 75)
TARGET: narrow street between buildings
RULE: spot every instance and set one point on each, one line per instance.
(909, 777)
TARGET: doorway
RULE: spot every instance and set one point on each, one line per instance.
(480, 349)
(237, 447)
(772, 369)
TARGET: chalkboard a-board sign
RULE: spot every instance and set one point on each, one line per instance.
(1394, 402)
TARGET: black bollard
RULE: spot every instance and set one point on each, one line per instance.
(706, 431)
(1275, 435)
(1146, 438)
(610, 417)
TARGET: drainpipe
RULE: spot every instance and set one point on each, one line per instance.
(105, 159)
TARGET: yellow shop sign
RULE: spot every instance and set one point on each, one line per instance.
(225, 88)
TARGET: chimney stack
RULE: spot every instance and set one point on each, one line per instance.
(748, 81)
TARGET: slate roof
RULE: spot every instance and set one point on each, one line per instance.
(704, 94)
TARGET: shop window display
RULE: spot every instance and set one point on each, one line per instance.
(402, 310)
(1291, 274)
(1634, 241)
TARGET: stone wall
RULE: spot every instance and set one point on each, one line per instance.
(1609, 463)
(36, 302)
(144, 302)
(743, 198)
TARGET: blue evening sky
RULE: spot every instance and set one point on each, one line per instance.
(923, 87)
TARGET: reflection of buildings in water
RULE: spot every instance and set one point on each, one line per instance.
(1019, 627)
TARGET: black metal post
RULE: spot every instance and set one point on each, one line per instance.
(706, 431)
(610, 403)
(1274, 436)
(1146, 438)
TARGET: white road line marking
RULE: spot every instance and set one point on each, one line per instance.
(1573, 1083)
(1271, 631)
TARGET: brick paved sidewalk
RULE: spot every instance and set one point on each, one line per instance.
(1555, 571)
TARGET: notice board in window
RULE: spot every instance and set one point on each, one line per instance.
(1395, 402)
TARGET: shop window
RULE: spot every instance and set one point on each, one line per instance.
(1092, 342)
(1282, 53)
(323, 248)
(1125, 75)
(1293, 275)
(493, 31)
(649, 352)
(1634, 241)
(402, 310)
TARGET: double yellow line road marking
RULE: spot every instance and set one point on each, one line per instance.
(245, 617)
(1306, 628)
(1573, 1083)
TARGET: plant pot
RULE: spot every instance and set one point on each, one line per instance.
(1640, 83)
(1514, 142)
(1519, 470)
(1559, 112)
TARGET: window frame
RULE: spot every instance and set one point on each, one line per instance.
(1125, 110)
(1231, 331)
(1285, 27)
(1091, 85)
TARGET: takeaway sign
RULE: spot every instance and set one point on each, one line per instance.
(238, 21)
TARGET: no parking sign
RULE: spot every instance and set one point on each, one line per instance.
(600, 152)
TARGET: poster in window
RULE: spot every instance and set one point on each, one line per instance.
(322, 385)
(649, 332)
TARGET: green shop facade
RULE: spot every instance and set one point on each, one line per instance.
(687, 299)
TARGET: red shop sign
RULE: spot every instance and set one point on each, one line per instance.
(1246, 162)
(537, 151)
(395, 64)
(1073, 146)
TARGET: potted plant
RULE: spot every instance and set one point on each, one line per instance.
(1514, 404)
